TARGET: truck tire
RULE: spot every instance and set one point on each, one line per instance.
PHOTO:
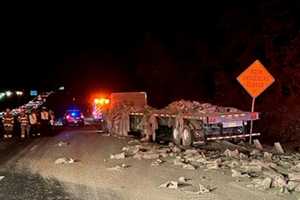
(176, 136)
(187, 137)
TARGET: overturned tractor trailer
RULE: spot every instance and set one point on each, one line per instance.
(183, 122)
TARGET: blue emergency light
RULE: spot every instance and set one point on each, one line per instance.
(33, 92)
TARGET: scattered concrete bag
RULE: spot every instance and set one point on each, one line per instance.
(202, 190)
(62, 143)
(262, 184)
(268, 156)
(64, 160)
(188, 166)
(239, 174)
(157, 162)
(170, 185)
(232, 154)
(117, 167)
(118, 156)
(182, 179)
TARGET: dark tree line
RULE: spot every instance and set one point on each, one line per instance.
(205, 66)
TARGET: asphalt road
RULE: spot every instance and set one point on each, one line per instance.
(30, 172)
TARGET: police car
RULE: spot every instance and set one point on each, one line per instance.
(73, 117)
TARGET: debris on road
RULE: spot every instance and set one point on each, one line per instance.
(278, 148)
(243, 156)
(239, 174)
(64, 160)
(251, 167)
(118, 167)
(157, 162)
(135, 141)
(255, 152)
(62, 143)
(257, 144)
(216, 164)
(191, 152)
(293, 186)
(176, 149)
(232, 154)
(261, 184)
(268, 156)
(294, 176)
(182, 179)
(266, 183)
(170, 185)
(188, 166)
(202, 190)
(118, 156)
(179, 162)
(261, 169)
(296, 167)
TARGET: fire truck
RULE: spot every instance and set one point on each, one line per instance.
(184, 125)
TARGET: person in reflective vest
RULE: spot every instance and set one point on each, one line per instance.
(33, 121)
(45, 121)
(52, 117)
(24, 122)
(8, 123)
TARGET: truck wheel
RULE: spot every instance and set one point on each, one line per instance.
(176, 136)
(187, 137)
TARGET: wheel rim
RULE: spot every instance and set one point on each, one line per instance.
(176, 136)
(186, 137)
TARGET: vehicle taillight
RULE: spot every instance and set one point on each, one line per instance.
(81, 116)
(68, 116)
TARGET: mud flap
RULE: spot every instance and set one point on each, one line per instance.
(176, 136)
(187, 137)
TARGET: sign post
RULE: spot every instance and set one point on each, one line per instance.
(255, 79)
(251, 123)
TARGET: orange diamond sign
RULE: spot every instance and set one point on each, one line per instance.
(255, 79)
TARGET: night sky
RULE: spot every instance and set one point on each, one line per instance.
(192, 55)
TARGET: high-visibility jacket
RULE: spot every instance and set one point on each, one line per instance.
(44, 115)
(33, 119)
(24, 120)
(8, 119)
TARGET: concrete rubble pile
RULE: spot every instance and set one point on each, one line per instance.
(118, 116)
(259, 170)
(195, 107)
